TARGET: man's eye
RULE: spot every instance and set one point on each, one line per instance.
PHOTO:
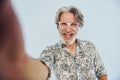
(73, 24)
(64, 24)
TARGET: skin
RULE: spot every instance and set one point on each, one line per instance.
(102, 77)
(69, 17)
(15, 64)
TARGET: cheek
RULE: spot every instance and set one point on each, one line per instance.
(75, 30)
(61, 30)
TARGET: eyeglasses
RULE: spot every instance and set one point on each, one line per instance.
(68, 24)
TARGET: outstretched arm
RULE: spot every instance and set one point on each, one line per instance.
(14, 63)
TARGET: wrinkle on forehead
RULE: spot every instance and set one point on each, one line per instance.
(67, 17)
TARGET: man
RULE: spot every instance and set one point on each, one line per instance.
(71, 58)
(14, 63)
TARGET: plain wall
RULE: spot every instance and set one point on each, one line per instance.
(102, 27)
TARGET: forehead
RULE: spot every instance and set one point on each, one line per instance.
(67, 17)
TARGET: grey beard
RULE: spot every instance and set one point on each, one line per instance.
(68, 42)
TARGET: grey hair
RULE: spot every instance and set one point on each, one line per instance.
(77, 13)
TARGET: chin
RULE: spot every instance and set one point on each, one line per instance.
(68, 41)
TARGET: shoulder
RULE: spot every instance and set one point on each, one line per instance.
(86, 43)
(88, 47)
(51, 48)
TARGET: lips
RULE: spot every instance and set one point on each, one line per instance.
(67, 36)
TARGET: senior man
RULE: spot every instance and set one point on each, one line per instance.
(72, 58)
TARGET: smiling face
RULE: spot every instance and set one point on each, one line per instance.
(68, 28)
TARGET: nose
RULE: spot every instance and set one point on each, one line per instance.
(68, 28)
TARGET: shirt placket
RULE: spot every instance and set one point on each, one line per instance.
(75, 62)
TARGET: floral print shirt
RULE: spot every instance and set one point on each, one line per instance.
(86, 65)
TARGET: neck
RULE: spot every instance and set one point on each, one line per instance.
(72, 48)
(72, 45)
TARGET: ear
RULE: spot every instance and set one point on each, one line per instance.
(57, 25)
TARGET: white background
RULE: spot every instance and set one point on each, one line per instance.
(102, 27)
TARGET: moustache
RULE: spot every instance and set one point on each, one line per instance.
(64, 32)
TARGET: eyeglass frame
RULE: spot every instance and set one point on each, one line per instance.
(69, 24)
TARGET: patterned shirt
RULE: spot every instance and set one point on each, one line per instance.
(86, 65)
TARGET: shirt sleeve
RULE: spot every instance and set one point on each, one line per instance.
(47, 57)
(99, 66)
